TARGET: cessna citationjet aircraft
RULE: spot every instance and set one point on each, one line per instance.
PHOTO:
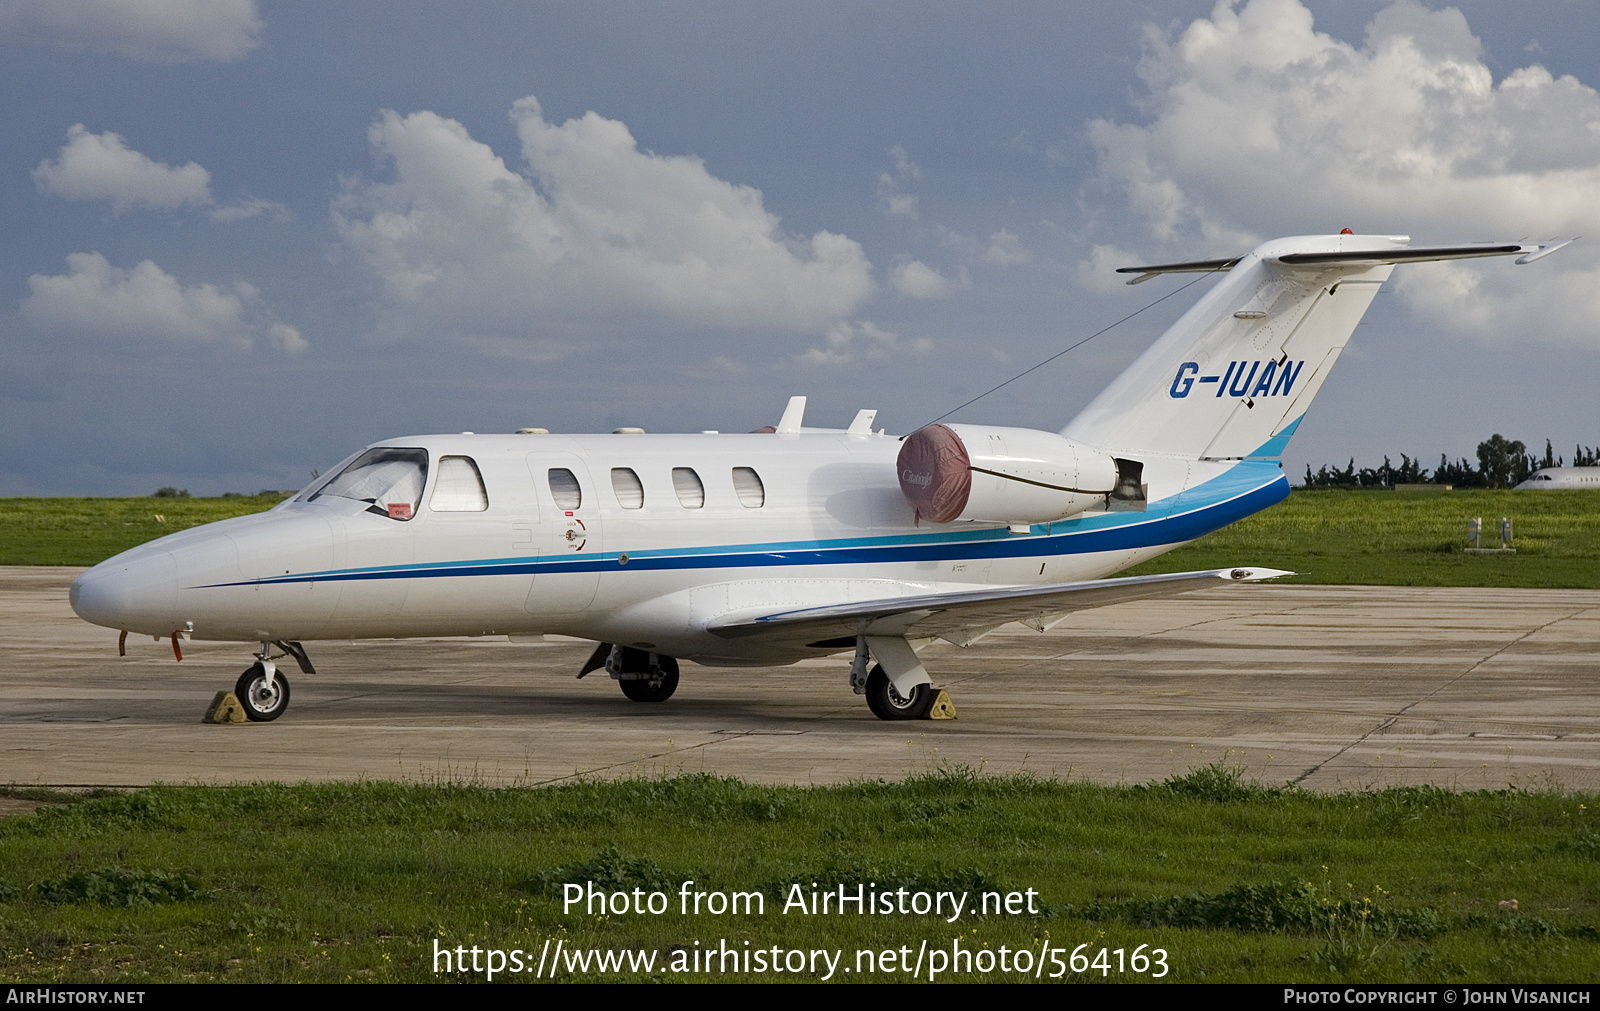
(760, 549)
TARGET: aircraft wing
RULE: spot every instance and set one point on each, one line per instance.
(964, 616)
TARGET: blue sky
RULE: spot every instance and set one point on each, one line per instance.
(243, 238)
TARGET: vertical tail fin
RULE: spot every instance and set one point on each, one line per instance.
(1233, 377)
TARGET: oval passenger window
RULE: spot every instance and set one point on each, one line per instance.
(691, 493)
(630, 493)
(564, 488)
(747, 483)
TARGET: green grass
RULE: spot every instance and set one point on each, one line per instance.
(1409, 539)
(87, 531)
(1234, 881)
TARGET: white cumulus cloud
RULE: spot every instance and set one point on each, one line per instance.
(847, 340)
(101, 166)
(891, 185)
(1259, 125)
(915, 279)
(1006, 250)
(145, 303)
(249, 207)
(1003, 248)
(1099, 271)
(590, 228)
(155, 31)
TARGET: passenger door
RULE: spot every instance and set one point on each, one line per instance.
(568, 570)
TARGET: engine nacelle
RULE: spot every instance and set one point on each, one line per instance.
(978, 473)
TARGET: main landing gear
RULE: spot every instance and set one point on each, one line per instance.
(262, 689)
(897, 687)
(642, 675)
(887, 703)
(657, 684)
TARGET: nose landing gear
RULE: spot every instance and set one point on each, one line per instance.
(263, 692)
(262, 689)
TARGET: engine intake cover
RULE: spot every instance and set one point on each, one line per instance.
(978, 473)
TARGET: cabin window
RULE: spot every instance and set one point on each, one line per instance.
(630, 493)
(691, 493)
(564, 488)
(390, 480)
(747, 484)
(459, 487)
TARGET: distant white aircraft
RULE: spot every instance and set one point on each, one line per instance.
(766, 548)
(1559, 478)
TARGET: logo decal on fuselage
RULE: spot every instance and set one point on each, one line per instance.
(1276, 379)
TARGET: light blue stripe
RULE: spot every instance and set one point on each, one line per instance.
(1275, 446)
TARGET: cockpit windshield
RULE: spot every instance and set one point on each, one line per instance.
(390, 480)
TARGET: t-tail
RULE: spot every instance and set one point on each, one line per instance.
(1232, 378)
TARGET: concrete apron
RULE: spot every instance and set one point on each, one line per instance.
(1334, 688)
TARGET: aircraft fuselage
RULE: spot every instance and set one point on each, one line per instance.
(647, 560)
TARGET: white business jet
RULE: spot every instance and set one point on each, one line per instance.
(761, 549)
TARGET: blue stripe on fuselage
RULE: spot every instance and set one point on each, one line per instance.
(1245, 488)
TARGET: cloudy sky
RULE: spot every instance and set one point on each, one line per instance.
(244, 238)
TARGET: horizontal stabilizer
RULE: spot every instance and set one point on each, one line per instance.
(948, 614)
(1187, 267)
(1530, 251)
(1411, 254)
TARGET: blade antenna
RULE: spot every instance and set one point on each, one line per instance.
(1058, 354)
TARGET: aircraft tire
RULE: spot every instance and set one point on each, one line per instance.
(654, 689)
(888, 704)
(260, 708)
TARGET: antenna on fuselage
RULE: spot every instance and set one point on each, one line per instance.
(862, 425)
(793, 414)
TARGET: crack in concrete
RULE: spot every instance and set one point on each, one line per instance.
(643, 758)
(1390, 721)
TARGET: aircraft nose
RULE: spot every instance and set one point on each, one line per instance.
(135, 591)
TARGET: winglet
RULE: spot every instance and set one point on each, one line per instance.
(1546, 249)
(789, 424)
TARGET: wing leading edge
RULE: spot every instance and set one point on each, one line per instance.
(963, 616)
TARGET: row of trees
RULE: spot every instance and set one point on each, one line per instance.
(1502, 463)
(171, 492)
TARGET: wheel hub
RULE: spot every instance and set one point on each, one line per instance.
(896, 699)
